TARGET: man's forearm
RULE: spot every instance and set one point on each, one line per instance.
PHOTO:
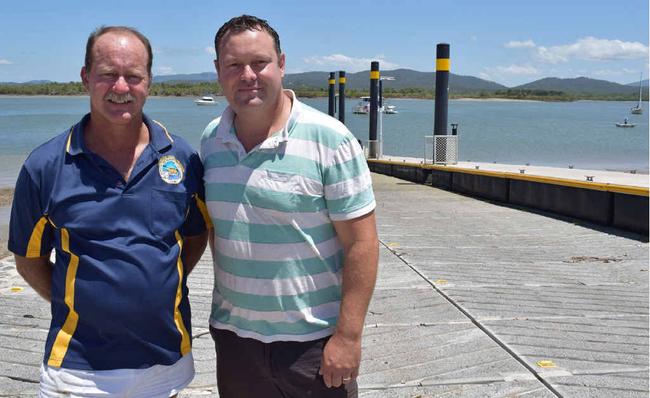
(193, 248)
(342, 353)
(37, 272)
(359, 276)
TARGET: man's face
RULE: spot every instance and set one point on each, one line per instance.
(250, 71)
(118, 80)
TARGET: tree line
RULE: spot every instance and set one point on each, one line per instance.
(180, 89)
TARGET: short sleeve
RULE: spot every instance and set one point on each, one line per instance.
(197, 220)
(347, 182)
(30, 232)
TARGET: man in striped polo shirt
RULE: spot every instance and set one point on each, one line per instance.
(295, 244)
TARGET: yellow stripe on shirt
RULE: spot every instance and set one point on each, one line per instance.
(34, 245)
(186, 345)
(62, 340)
(204, 211)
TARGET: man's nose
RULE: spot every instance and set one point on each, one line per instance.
(121, 85)
(248, 73)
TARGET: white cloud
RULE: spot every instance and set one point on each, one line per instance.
(5, 62)
(165, 70)
(615, 72)
(512, 70)
(521, 70)
(520, 44)
(594, 49)
(350, 64)
(485, 76)
(210, 50)
(510, 75)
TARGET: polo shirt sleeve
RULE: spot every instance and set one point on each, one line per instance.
(30, 232)
(197, 220)
(347, 182)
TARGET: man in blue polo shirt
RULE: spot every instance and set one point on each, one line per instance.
(120, 201)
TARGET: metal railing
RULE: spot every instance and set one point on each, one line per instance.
(440, 149)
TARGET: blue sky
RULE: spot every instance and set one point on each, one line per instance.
(509, 42)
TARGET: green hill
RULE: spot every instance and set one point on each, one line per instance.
(580, 85)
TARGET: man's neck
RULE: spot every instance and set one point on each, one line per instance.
(253, 126)
(119, 145)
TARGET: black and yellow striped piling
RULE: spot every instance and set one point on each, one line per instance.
(330, 106)
(342, 96)
(442, 89)
(373, 145)
(442, 99)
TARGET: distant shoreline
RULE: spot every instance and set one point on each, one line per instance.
(481, 99)
(495, 99)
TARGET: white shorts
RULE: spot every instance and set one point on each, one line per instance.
(156, 381)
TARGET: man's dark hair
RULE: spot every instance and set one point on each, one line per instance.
(122, 29)
(243, 23)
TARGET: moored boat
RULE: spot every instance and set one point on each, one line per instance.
(363, 107)
(206, 100)
(638, 110)
(625, 124)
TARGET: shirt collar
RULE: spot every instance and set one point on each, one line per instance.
(226, 131)
(159, 138)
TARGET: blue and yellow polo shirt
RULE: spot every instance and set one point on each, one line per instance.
(119, 293)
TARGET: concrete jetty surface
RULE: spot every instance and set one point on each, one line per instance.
(473, 299)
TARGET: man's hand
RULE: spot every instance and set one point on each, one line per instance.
(341, 359)
(342, 353)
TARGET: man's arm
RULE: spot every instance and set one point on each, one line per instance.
(37, 272)
(193, 247)
(342, 353)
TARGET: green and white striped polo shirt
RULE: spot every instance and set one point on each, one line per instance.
(278, 262)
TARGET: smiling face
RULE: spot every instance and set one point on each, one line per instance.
(118, 80)
(250, 70)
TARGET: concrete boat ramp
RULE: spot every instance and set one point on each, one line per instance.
(474, 299)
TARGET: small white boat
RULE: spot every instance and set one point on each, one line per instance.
(363, 107)
(625, 124)
(207, 100)
(638, 110)
(390, 109)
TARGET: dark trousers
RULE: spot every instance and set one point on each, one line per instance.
(285, 369)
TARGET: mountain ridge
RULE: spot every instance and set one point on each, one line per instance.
(407, 78)
(412, 79)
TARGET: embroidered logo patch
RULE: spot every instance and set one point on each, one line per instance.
(170, 170)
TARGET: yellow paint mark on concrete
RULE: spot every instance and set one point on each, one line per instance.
(16, 289)
(392, 244)
(440, 281)
(546, 364)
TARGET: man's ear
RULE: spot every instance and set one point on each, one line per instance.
(281, 63)
(84, 77)
(216, 67)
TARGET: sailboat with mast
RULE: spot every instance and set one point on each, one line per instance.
(638, 110)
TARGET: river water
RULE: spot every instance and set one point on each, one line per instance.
(559, 134)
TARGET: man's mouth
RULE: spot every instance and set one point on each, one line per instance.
(119, 99)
